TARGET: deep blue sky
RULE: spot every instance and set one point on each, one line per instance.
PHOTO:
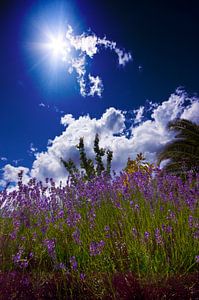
(162, 37)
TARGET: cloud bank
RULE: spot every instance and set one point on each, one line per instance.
(123, 138)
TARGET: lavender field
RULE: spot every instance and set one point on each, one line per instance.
(134, 236)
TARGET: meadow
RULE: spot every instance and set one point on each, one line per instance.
(132, 236)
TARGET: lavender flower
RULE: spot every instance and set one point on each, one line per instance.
(73, 263)
(76, 236)
(146, 235)
(158, 237)
(16, 258)
(190, 221)
(137, 207)
(50, 245)
(23, 263)
(107, 231)
(96, 248)
(82, 276)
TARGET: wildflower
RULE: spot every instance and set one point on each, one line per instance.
(61, 214)
(196, 234)
(107, 231)
(171, 215)
(96, 248)
(76, 236)
(61, 266)
(106, 228)
(169, 229)
(50, 245)
(82, 276)
(73, 263)
(131, 203)
(73, 218)
(16, 258)
(13, 235)
(146, 235)
(158, 237)
(190, 221)
(137, 207)
(197, 259)
(23, 263)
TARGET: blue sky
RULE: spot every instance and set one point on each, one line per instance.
(38, 93)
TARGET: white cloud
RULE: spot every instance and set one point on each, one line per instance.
(147, 137)
(67, 119)
(96, 86)
(87, 45)
(192, 112)
(139, 114)
(169, 110)
(32, 150)
(16, 161)
(10, 174)
(3, 158)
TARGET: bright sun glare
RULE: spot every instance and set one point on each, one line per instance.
(58, 46)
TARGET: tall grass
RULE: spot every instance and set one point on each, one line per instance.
(90, 231)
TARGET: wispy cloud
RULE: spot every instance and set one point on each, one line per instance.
(3, 158)
(42, 104)
(139, 114)
(32, 150)
(17, 161)
(51, 107)
(86, 46)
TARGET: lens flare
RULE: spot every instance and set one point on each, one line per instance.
(58, 46)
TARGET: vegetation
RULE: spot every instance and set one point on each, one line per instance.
(183, 151)
(138, 165)
(87, 164)
(101, 239)
(132, 236)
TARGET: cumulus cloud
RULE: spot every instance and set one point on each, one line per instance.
(86, 46)
(67, 119)
(147, 136)
(192, 112)
(10, 174)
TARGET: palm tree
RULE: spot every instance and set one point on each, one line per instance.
(183, 151)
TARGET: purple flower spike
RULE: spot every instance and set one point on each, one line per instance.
(146, 235)
(73, 263)
(50, 245)
(82, 276)
(158, 237)
(76, 236)
(96, 248)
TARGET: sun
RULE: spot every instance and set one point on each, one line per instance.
(58, 46)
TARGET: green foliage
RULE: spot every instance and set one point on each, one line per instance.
(87, 164)
(183, 151)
